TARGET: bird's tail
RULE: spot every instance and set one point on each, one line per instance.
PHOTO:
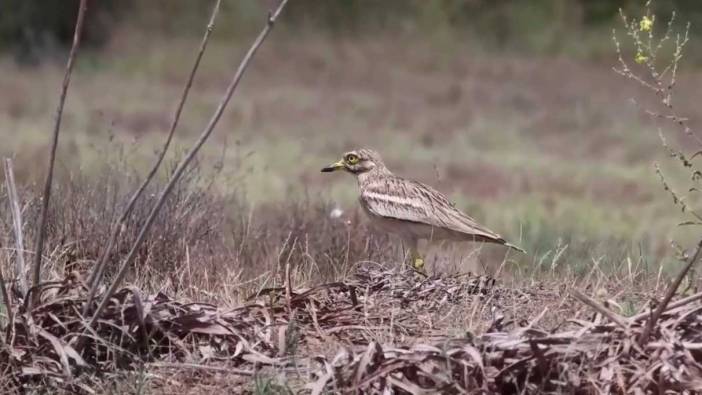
(514, 247)
(497, 240)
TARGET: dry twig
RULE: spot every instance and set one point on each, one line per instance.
(601, 309)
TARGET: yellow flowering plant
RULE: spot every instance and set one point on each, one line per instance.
(659, 76)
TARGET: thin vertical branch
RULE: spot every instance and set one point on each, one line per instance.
(41, 231)
(20, 266)
(99, 269)
(233, 84)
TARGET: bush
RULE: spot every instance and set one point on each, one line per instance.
(32, 28)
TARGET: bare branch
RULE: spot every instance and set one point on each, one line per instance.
(99, 269)
(234, 83)
(41, 230)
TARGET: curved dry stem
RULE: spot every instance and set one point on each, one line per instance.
(13, 201)
(41, 233)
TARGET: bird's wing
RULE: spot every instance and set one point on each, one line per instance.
(407, 200)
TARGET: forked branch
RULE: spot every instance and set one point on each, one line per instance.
(206, 133)
(99, 269)
(672, 288)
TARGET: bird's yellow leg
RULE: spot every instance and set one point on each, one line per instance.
(417, 260)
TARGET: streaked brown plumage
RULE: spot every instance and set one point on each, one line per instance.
(411, 209)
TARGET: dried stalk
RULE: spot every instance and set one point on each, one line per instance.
(288, 286)
(234, 83)
(20, 266)
(669, 294)
(41, 230)
(616, 318)
(99, 269)
(8, 306)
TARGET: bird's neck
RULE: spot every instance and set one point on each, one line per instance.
(372, 175)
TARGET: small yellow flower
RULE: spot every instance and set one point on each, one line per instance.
(641, 58)
(646, 24)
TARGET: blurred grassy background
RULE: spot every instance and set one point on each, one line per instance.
(510, 107)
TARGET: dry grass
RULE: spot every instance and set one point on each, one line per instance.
(345, 293)
(199, 269)
(196, 249)
(387, 324)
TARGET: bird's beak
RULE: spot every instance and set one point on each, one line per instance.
(334, 167)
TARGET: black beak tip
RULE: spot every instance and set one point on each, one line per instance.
(327, 169)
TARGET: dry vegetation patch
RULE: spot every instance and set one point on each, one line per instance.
(362, 334)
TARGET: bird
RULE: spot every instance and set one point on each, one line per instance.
(412, 210)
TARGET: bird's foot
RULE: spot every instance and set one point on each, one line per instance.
(418, 263)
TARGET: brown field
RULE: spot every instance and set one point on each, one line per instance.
(548, 150)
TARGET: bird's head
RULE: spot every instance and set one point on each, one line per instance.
(358, 162)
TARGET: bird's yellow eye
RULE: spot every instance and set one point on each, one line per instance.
(351, 159)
